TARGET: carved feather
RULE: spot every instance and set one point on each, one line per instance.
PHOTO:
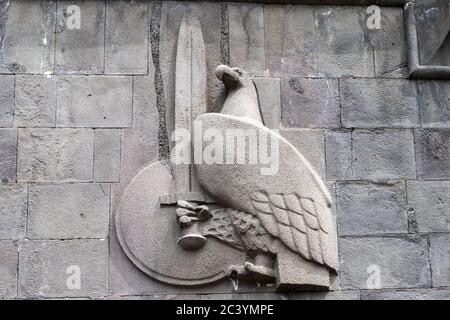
(220, 227)
(295, 221)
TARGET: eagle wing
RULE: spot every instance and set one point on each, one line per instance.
(298, 223)
(292, 203)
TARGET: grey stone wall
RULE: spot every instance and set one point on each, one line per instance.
(81, 111)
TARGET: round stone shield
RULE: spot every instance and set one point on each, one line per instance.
(148, 234)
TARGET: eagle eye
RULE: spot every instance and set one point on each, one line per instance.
(238, 71)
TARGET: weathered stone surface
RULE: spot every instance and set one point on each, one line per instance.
(13, 211)
(8, 269)
(27, 47)
(311, 144)
(246, 296)
(294, 273)
(48, 268)
(344, 46)
(35, 101)
(433, 153)
(434, 97)
(402, 262)
(213, 296)
(78, 50)
(269, 101)
(6, 100)
(411, 294)
(332, 295)
(55, 155)
(369, 103)
(430, 200)
(440, 259)
(66, 211)
(8, 155)
(367, 209)
(126, 279)
(140, 143)
(432, 31)
(383, 154)
(107, 155)
(310, 103)
(94, 101)
(290, 43)
(247, 37)
(126, 44)
(290, 51)
(373, 155)
(389, 45)
(338, 152)
(139, 147)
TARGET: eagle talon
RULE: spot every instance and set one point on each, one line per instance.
(235, 271)
(251, 270)
(260, 270)
(187, 213)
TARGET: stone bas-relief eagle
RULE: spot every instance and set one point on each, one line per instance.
(262, 214)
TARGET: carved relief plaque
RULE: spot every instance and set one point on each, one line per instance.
(217, 209)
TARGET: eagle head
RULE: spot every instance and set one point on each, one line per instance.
(233, 78)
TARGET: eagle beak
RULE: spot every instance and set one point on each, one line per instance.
(227, 76)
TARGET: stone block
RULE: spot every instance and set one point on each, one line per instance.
(8, 269)
(397, 262)
(440, 259)
(51, 155)
(430, 200)
(35, 101)
(411, 294)
(27, 33)
(338, 152)
(94, 101)
(13, 211)
(157, 297)
(311, 144)
(383, 154)
(371, 103)
(8, 155)
(80, 50)
(369, 209)
(389, 45)
(139, 147)
(246, 23)
(310, 103)
(332, 295)
(55, 268)
(126, 44)
(245, 296)
(433, 153)
(344, 43)
(434, 98)
(140, 143)
(107, 155)
(68, 211)
(290, 43)
(6, 100)
(269, 101)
